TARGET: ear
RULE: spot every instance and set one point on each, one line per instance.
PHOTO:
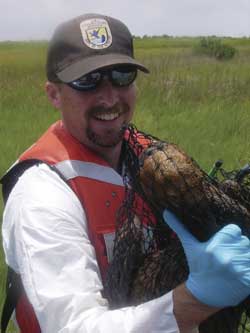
(53, 94)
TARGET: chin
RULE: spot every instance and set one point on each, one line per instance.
(107, 140)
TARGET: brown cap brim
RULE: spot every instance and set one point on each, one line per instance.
(87, 65)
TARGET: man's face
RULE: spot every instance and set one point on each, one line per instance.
(97, 118)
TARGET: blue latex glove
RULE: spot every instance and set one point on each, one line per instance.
(219, 268)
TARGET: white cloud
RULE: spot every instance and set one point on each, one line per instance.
(36, 19)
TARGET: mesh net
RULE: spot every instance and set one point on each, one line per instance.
(148, 258)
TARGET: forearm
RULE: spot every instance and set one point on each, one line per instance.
(188, 311)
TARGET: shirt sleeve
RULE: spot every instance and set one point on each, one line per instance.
(45, 239)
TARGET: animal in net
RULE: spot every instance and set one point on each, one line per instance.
(148, 258)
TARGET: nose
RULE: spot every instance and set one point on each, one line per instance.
(107, 94)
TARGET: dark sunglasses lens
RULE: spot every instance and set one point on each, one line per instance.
(120, 77)
(123, 77)
(87, 82)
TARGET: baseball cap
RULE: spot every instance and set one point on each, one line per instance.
(87, 43)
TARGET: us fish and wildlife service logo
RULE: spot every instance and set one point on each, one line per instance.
(96, 33)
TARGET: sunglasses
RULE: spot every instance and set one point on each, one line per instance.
(119, 77)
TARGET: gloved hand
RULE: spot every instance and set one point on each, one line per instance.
(219, 268)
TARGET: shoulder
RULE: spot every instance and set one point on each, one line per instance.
(40, 206)
(41, 197)
(40, 184)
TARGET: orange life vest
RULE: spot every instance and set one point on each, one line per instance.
(99, 188)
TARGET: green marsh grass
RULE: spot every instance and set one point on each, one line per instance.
(197, 102)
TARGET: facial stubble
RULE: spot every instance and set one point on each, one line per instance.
(111, 138)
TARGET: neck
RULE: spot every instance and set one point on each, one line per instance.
(111, 155)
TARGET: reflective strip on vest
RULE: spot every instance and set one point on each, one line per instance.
(72, 168)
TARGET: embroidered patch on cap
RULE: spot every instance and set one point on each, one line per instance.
(96, 33)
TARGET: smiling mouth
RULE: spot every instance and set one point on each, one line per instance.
(107, 116)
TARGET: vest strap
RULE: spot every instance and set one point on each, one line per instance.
(74, 168)
(14, 290)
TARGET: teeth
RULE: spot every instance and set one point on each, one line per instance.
(107, 116)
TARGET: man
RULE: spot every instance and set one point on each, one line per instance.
(58, 238)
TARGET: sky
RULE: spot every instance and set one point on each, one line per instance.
(36, 19)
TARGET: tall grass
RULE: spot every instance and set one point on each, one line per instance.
(197, 102)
